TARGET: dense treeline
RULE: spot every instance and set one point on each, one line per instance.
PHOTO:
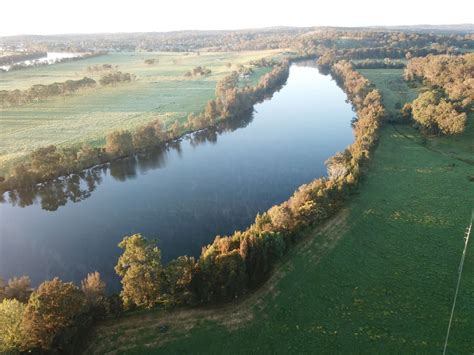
(364, 43)
(234, 101)
(371, 58)
(384, 52)
(443, 108)
(299, 39)
(378, 64)
(50, 162)
(41, 92)
(453, 74)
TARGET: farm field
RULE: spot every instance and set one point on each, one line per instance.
(160, 91)
(377, 278)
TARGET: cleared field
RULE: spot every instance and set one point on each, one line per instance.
(160, 91)
(390, 82)
(378, 278)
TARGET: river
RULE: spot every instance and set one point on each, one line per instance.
(49, 58)
(210, 183)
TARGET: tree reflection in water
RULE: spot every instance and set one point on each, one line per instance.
(77, 187)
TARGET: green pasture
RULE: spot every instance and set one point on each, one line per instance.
(395, 91)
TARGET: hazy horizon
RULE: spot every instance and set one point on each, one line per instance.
(53, 17)
(238, 29)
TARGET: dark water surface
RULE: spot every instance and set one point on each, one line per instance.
(211, 183)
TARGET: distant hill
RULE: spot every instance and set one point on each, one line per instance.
(464, 27)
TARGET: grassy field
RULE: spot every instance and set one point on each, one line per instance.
(378, 278)
(390, 82)
(160, 91)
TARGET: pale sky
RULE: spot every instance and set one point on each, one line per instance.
(90, 16)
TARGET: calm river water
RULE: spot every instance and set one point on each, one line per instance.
(209, 184)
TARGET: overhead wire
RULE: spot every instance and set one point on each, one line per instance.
(461, 265)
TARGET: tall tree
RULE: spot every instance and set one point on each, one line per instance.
(141, 271)
(94, 290)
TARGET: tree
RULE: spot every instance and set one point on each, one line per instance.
(145, 137)
(222, 272)
(94, 291)
(179, 273)
(449, 121)
(338, 165)
(406, 111)
(175, 129)
(436, 114)
(51, 308)
(18, 288)
(228, 82)
(119, 143)
(141, 271)
(260, 252)
(88, 156)
(12, 334)
(211, 112)
(281, 217)
(423, 108)
(45, 161)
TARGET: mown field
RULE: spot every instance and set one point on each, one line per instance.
(378, 278)
(160, 91)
